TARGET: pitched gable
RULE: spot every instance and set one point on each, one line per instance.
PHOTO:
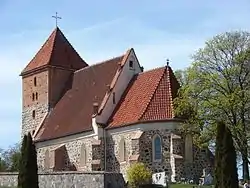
(128, 67)
(56, 51)
(148, 97)
(73, 113)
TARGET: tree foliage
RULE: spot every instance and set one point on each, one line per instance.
(138, 175)
(9, 159)
(217, 87)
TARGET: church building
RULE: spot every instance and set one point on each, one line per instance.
(105, 116)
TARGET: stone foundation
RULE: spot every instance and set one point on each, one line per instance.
(70, 179)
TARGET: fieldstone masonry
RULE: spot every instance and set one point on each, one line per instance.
(114, 163)
(72, 155)
(173, 154)
(70, 180)
(138, 148)
(29, 123)
(146, 150)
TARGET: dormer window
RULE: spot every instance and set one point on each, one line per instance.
(131, 64)
(34, 81)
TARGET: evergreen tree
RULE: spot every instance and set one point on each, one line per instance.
(32, 163)
(225, 159)
(22, 182)
(218, 153)
(228, 164)
(28, 176)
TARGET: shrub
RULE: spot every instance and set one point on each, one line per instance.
(138, 175)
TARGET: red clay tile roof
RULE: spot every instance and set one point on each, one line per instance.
(56, 51)
(73, 113)
(148, 97)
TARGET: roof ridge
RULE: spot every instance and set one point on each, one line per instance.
(150, 70)
(152, 94)
(68, 42)
(39, 51)
(56, 51)
(53, 44)
(170, 89)
(99, 63)
(114, 80)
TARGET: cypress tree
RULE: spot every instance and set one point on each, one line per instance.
(226, 175)
(22, 182)
(28, 176)
(228, 164)
(32, 163)
(218, 154)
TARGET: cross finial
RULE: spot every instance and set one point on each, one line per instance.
(167, 62)
(56, 17)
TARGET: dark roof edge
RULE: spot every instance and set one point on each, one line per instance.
(53, 138)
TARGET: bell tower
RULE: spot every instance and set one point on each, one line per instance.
(45, 79)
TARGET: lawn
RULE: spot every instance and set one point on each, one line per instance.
(188, 186)
(171, 186)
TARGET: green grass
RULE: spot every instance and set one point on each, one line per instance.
(187, 186)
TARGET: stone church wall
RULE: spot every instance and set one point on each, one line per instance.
(146, 151)
(72, 154)
(201, 164)
(70, 179)
(137, 148)
(114, 163)
(29, 123)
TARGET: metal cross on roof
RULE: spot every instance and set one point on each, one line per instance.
(167, 62)
(56, 18)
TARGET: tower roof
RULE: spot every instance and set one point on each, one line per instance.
(56, 51)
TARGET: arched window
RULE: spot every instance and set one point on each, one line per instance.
(46, 160)
(157, 148)
(36, 96)
(122, 150)
(33, 96)
(83, 156)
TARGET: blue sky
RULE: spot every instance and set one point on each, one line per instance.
(157, 30)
